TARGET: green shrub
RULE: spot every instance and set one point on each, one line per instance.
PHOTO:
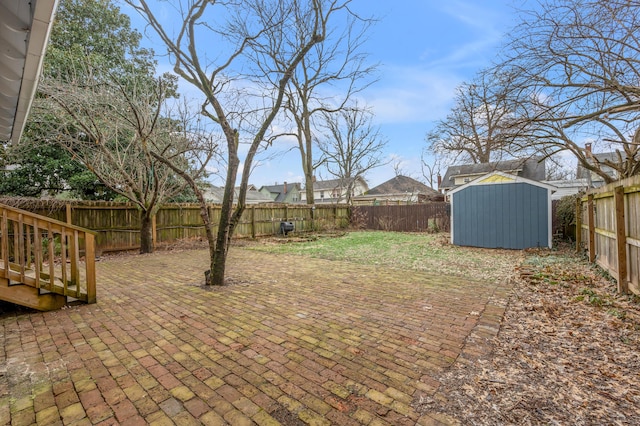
(566, 214)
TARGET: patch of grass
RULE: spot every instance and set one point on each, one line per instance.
(593, 298)
(362, 247)
(417, 251)
(620, 314)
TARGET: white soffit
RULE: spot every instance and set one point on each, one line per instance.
(24, 31)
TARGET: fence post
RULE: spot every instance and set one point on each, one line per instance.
(621, 240)
(68, 213)
(154, 231)
(592, 228)
(578, 224)
(253, 222)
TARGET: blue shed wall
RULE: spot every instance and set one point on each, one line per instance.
(513, 216)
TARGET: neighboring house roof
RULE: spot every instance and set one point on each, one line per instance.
(326, 185)
(403, 184)
(279, 192)
(214, 194)
(336, 187)
(530, 168)
(27, 25)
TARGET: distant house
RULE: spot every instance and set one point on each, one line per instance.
(214, 195)
(594, 179)
(335, 190)
(565, 188)
(528, 168)
(285, 193)
(400, 189)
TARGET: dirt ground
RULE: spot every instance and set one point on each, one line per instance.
(568, 352)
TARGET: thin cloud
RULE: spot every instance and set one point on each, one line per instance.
(411, 94)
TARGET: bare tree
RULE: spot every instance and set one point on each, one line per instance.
(432, 168)
(398, 169)
(351, 146)
(326, 80)
(576, 67)
(114, 125)
(242, 78)
(474, 130)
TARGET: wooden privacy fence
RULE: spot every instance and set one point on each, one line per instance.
(117, 225)
(403, 218)
(608, 226)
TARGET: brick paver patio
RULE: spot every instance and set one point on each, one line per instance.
(291, 341)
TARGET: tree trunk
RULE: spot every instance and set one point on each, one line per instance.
(146, 232)
(306, 149)
(309, 188)
(225, 227)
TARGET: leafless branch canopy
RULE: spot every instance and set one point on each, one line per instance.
(241, 55)
(351, 146)
(575, 65)
(476, 129)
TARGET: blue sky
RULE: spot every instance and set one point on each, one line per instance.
(425, 48)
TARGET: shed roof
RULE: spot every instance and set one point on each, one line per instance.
(530, 168)
(501, 178)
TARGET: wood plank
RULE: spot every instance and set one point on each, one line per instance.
(63, 256)
(5, 241)
(621, 240)
(37, 254)
(20, 247)
(74, 257)
(605, 233)
(633, 242)
(592, 228)
(578, 225)
(90, 262)
(52, 255)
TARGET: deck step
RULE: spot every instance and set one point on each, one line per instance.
(58, 284)
(30, 297)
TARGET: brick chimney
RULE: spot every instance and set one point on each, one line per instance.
(587, 148)
(285, 188)
(439, 182)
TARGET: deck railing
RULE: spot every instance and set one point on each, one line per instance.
(47, 254)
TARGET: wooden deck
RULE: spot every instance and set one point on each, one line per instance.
(44, 262)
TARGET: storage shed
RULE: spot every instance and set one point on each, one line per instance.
(499, 210)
